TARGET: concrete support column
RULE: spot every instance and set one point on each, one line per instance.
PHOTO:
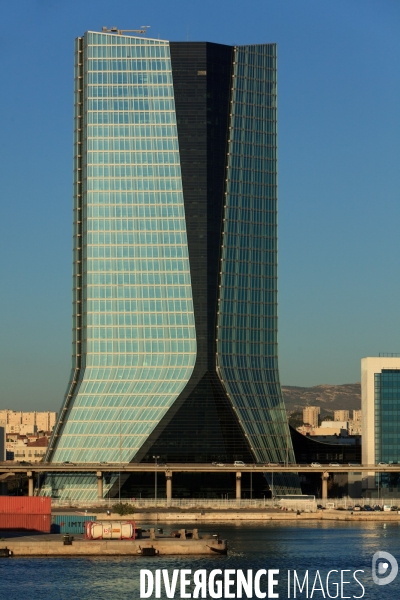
(30, 483)
(238, 486)
(168, 486)
(99, 475)
(325, 477)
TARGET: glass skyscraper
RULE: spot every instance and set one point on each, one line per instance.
(175, 259)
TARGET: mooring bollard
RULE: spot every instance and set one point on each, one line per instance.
(67, 539)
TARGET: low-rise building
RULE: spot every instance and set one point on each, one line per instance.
(29, 451)
(331, 428)
(305, 429)
(37, 449)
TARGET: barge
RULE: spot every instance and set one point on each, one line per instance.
(149, 544)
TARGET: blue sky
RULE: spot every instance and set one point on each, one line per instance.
(339, 176)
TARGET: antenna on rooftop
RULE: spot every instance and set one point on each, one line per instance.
(142, 30)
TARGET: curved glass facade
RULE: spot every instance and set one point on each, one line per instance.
(247, 351)
(134, 344)
(175, 259)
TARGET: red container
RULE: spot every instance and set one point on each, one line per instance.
(25, 522)
(25, 505)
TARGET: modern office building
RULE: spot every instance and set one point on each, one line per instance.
(175, 259)
(380, 410)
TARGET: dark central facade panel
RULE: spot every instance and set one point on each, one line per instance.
(201, 425)
(215, 115)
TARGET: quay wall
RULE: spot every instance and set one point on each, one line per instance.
(36, 547)
(229, 516)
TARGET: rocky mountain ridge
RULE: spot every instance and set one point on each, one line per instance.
(329, 397)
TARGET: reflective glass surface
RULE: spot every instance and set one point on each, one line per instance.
(134, 343)
(175, 194)
(247, 354)
(387, 424)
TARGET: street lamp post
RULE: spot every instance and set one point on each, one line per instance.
(287, 445)
(155, 479)
(120, 457)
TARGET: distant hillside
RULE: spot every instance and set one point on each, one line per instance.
(328, 397)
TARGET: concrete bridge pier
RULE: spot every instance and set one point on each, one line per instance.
(30, 483)
(168, 486)
(238, 486)
(325, 477)
(99, 475)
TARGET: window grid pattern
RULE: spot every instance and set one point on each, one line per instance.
(387, 424)
(387, 416)
(247, 319)
(137, 333)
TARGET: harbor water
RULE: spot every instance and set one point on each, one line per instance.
(300, 546)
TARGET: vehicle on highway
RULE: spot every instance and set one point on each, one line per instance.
(377, 507)
(368, 508)
(68, 462)
(354, 465)
(394, 508)
(25, 462)
(239, 463)
(315, 464)
(219, 464)
(382, 464)
(334, 464)
(271, 464)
